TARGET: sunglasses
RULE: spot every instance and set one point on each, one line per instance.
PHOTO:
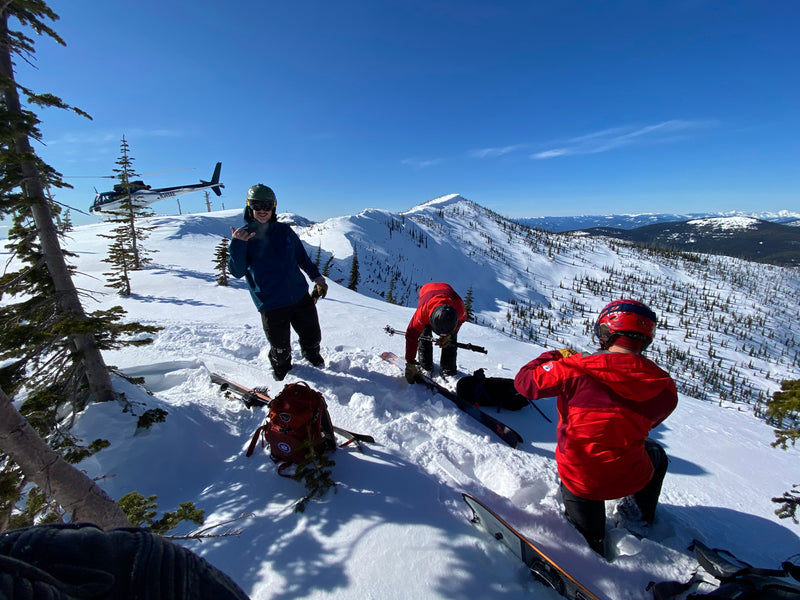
(262, 205)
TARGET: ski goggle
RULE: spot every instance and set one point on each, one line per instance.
(262, 205)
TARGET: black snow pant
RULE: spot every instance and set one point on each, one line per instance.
(303, 318)
(589, 516)
(72, 561)
(425, 352)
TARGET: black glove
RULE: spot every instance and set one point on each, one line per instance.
(320, 290)
(412, 372)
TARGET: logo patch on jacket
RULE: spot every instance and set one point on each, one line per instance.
(547, 366)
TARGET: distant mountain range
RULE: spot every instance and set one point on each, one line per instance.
(740, 237)
(772, 238)
(559, 224)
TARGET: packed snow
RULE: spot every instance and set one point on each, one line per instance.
(395, 526)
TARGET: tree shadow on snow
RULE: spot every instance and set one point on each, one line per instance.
(379, 497)
(177, 301)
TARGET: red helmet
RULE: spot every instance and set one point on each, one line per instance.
(629, 318)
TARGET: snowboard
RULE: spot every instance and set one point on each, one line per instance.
(503, 431)
(255, 397)
(542, 567)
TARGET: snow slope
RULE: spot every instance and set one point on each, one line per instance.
(396, 526)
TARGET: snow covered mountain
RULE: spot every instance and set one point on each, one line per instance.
(545, 288)
(396, 527)
(741, 237)
(572, 223)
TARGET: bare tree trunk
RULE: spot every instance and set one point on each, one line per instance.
(67, 296)
(80, 497)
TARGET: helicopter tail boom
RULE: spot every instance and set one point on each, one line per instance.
(214, 183)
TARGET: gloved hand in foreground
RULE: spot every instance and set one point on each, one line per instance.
(442, 341)
(567, 352)
(412, 372)
(320, 289)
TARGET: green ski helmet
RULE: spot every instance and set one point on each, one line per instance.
(260, 193)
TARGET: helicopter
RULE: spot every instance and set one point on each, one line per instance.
(142, 193)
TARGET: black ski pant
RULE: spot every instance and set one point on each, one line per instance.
(303, 318)
(425, 351)
(589, 516)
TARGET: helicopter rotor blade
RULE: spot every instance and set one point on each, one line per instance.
(170, 171)
(117, 176)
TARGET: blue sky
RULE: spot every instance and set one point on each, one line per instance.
(529, 108)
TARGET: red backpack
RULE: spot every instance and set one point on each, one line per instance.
(298, 421)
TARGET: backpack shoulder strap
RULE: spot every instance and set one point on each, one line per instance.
(259, 432)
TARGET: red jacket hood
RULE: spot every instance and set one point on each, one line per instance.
(632, 376)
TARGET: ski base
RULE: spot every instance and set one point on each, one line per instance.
(542, 567)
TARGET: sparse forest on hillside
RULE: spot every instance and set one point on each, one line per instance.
(728, 328)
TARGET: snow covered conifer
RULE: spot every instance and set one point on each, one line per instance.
(130, 233)
(468, 299)
(221, 261)
(46, 337)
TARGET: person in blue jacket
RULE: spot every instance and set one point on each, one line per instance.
(269, 255)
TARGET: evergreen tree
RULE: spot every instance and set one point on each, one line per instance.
(318, 257)
(327, 268)
(353, 283)
(33, 238)
(784, 409)
(65, 223)
(81, 497)
(390, 294)
(47, 339)
(129, 233)
(468, 299)
(221, 261)
(121, 258)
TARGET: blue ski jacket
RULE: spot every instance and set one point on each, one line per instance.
(270, 262)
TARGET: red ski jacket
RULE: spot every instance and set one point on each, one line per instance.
(607, 404)
(431, 295)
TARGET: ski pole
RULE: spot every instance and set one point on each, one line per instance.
(392, 331)
(533, 404)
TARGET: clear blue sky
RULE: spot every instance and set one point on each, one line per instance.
(529, 108)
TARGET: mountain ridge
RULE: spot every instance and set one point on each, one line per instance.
(632, 221)
(545, 287)
(741, 237)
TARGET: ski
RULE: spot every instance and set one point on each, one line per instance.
(508, 435)
(260, 397)
(250, 397)
(542, 567)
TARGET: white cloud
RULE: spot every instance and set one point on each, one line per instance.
(550, 153)
(421, 163)
(605, 140)
(73, 139)
(492, 152)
